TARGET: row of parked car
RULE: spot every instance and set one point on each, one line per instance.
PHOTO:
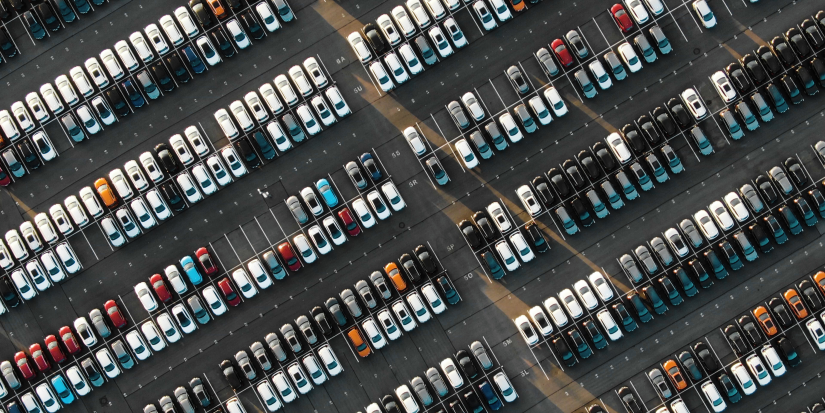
(46, 265)
(38, 17)
(479, 386)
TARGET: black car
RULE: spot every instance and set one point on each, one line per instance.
(791, 88)
(409, 266)
(670, 290)
(775, 229)
(790, 220)
(798, 42)
(375, 38)
(473, 402)
(805, 211)
(736, 341)
(28, 154)
(559, 183)
(603, 155)
(235, 5)
(7, 47)
(738, 78)
(781, 312)
(706, 357)
(173, 198)
(46, 15)
(730, 255)
(754, 69)
(786, 348)
(633, 138)
(201, 12)
(425, 258)
(117, 103)
(761, 236)
(320, 317)
(629, 400)
(133, 93)
(700, 274)
(248, 155)
(596, 336)
(545, 194)
(252, 27)
(447, 289)
(468, 366)
(627, 321)
(766, 188)
(769, 60)
(536, 238)
(222, 41)
(582, 212)
(679, 112)
(665, 121)
(389, 404)
(684, 281)
(231, 375)
(162, 75)
(65, 11)
(470, 233)
(578, 342)
(563, 351)
(783, 51)
(335, 310)
(178, 69)
(812, 298)
(652, 298)
(812, 34)
(589, 164)
(689, 362)
(806, 80)
(750, 330)
(729, 389)
(262, 145)
(7, 292)
(574, 174)
(818, 69)
(649, 130)
(719, 270)
(167, 159)
(818, 201)
(484, 225)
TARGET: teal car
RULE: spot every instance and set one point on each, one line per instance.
(567, 222)
(191, 270)
(702, 141)
(62, 389)
(492, 265)
(659, 171)
(673, 161)
(326, 191)
(641, 176)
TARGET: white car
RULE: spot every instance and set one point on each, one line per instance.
(721, 215)
(111, 63)
(758, 370)
(586, 294)
(402, 19)
(237, 34)
(30, 236)
(227, 126)
(736, 206)
(235, 166)
(150, 166)
(321, 108)
(435, 8)
(152, 334)
(419, 14)
(308, 119)
(97, 73)
(259, 274)
(168, 328)
(84, 330)
(196, 140)
(396, 68)
(127, 223)
(501, 10)
(214, 301)
(506, 254)
(433, 299)
(266, 392)
(175, 279)
(417, 306)
(299, 378)
(466, 153)
(540, 110)
(817, 332)
(135, 175)
(455, 33)
(254, 102)
(499, 217)
(181, 150)
(655, 6)
(525, 329)
(602, 78)
(453, 376)
(52, 100)
(60, 218)
(713, 397)
(570, 303)
(208, 50)
(44, 226)
(388, 29)
(66, 90)
(391, 193)
(540, 320)
(23, 284)
(373, 334)
(78, 381)
(330, 360)
(142, 213)
(88, 120)
(285, 89)
(157, 40)
(29, 403)
(182, 317)
(745, 381)
(76, 211)
(619, 148)
(300, 80)
(218, 170)
(381, 76)
(21, 114)
(509, 125)
(484, 15)
(629, 57)
(186, 21)
(637, 11)
(359, 46)
(503, 383)
(268, 17)
(337, 101)
(271, 98)
(674, 239)
(363, 213)
(609, 325)
(304, 249)
(67, 257)
(112, 232)
(334, 230)
(556, 103)
(241, 115)
(319, 240)
(6, 262)
(556, 313)
(706, 224)
(8, 126)
(16, 244)
(772, 358)
(521, 246)
(44, 145)
(403, 314)
(170, 29)
(440, 41)
(388, 324)
(277, 134)
(284, 388)
(140, 45)
(121, 184)
(47, 397)
(694, 103)
(405, 396)
(414, 140)
(705, 14)
(528, 199)
(601, 286)
(188, 188)
(37, 275)
(36, 105)
(723, 86)
(125, 54)
(472, 105)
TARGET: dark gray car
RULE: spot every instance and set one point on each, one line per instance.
(690, 231)
(576, 43)
(122, 355)
(659, 383)
(96, 317)
(274, 265)
(647, 260)
(436, 381)
(615, 65)
(518, 79)
(458, 114)
(585, 83)
(629, 265)
(426, 51)
(420, 389)
(355, 173)
(526, 120)
(380, 284)
(200, 392)
(481, 355)
(198, 310)
(275, 347)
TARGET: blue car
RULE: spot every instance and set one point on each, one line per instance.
(62, 389)
(134, 96)
(490, 396)
(369, 164)
(195, 62)
(326, 191)
(191, 270)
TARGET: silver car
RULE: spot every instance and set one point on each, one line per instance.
(690, 230)
(481, 355)
(306, 329)
(647, 260)
(349, 301)
(380, 284)
(366, 294)
(275, 347)
(436, 381)
(243, 362)
(183, 400)
(259, 352)
(420, 389)
(297, 210)
(8, 374)
(289, 335)
(630, 267)
(96, 317)
(781, 180)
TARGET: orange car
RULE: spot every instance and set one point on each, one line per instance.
(675, 374)
(518, 5)
(395, 276)
(217, 8)
(105, 192)
(819, 279)
(792, 297)
(358, 341)
(764, 320)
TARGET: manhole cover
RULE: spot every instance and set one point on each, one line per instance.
(402, 225)
(104, 401)
(696, 51)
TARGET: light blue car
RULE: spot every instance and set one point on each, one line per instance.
(326, 191)
(191, 270)
(62, 389)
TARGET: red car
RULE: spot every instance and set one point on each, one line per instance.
(352, 227)
(69, 340)
(114, 313)
(562, 53)
(23, 365)
(621, 17)
(205, 259)
(54, 349)
(5, 180)
(160, 288)
(39, 357)
(229, 294)
(289, 257)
